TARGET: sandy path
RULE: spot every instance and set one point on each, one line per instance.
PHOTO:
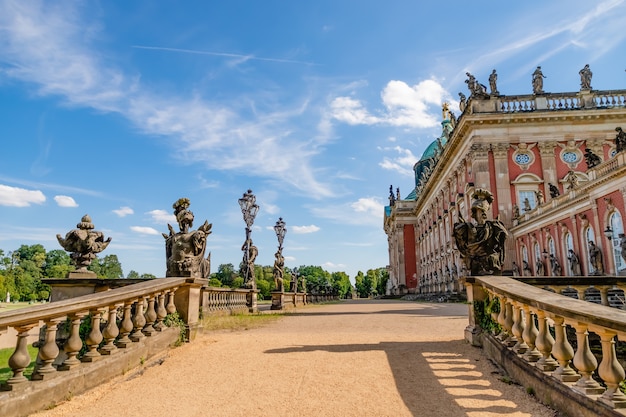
(358, 358)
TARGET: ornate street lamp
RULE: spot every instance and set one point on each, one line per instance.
(249, 209)
(280, 230)
(279, 263)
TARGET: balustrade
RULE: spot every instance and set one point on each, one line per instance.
(573, 364)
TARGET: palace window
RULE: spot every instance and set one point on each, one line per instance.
(590, 237)
(618, 228)
(569, 245)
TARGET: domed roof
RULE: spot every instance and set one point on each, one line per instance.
(430, 151)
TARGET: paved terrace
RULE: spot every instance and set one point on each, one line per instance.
(356, 358)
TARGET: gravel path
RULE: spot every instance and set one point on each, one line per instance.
(357, 358)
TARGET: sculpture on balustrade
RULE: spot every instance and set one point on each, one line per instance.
(515, 269)
(392, 197)
(591, 158)
(595, 258)
(572, 180)
(554, 190)
(540, 197)
(526, 269)
(185, 249)
(527, 206)
(462, 102)
(585, 78)
(538, 81)
(574, 263)
(620, 140)
(539, 268)
(476, 89)
(493, 79)
(481, 243)
(83, 243)
(555, 265)
(516, 213)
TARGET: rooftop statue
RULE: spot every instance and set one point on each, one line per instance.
(591, 159)
(585, 78)
(538, 81)
(493, 79)
(481, 243)
(83, 243)
(185, 250)
(620, 139)
(476, 89)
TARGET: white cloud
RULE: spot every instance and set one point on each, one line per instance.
(402, 164)
(370, 205)
(351, 111)
(144, 230)
(305, 229)
(363, 212)
(332, 266)
(65, 201)
(20, 197)
(124, 211)
(162, 216)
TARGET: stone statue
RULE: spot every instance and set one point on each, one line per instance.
(516, 271)
(540, 268)
(527, 206)
(585, 78)
(83, 243)
(516, 213)
(620, 140)
(462, 102)
(572, 180)
(595, 257)
(538, 81)
(392, 197)
(185, 250)
(540, 197)
(622, 245)
(476, 89)
(591, 158)
(526, 268)
(554, 190)
(279, 272)
(555, 265)
(250, 253)
(481, 244)
(493, 79)
(574, 263)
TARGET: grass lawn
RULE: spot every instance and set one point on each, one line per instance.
(14, 306)
(238, 321)
(6, 372)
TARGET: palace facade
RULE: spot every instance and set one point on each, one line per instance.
(556, 167)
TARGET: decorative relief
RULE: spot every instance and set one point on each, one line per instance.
(547, 148)
(523, 155)
(570, 153)
(500, 150)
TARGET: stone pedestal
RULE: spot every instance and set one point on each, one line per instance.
(278, 300)
(251, 301)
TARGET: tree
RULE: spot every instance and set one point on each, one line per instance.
(133, 274)
(341, 284)
(151, 276)
(362, 287)
(107, 267)
(225, 274)
(57, 264)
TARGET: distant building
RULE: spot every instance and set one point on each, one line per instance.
(555, 165)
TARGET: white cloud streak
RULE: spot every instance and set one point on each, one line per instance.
(162, 216)
(20, 197)
(124, 211)
(305, 229)
(144, 230)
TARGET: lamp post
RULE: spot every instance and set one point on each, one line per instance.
(249, 209)
(281, 231)
(279, 264)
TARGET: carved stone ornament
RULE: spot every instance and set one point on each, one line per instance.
(185, 250)
(83, 243)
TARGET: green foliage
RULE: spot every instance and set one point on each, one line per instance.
(237, 282)
(133, 274)
(214, 282)
(226, 275)
(107, 267)
(482, 313)
(150, 276)
(341, 284)
(174, 320)
(5, 354)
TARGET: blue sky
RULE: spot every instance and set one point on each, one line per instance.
(117, 109)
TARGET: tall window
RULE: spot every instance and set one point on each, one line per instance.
(618, 228)
(524, 265)
(537, 257)
(590, 237)
(569, 245)
(527, 195)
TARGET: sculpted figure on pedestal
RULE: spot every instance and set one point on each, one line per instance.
(585, 78)
(538, 81)
(574, 263)
(595, 257)
(185, 250)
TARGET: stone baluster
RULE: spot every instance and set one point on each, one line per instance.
(139, 321)
(95, 336)
(49, 351)
(563, 353)
(604, 295)
(518, 329)
(544, 343)
(171, 307)
(502, 318)
(530, 335)
(508, 324)
(74, 343)
(150, 316)
(161, 312)
(585, 362)
(610, 371)
(111, 331)
(20, 359)
(126, 326)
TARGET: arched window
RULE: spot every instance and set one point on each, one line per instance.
(537, 256)
(618, 228)
(524, 266)
(589, 237)
(551, 248)
(526, 188)
(569, 245)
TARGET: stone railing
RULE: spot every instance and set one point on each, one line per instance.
(224, 300)
(533, 345)
(134, 330)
